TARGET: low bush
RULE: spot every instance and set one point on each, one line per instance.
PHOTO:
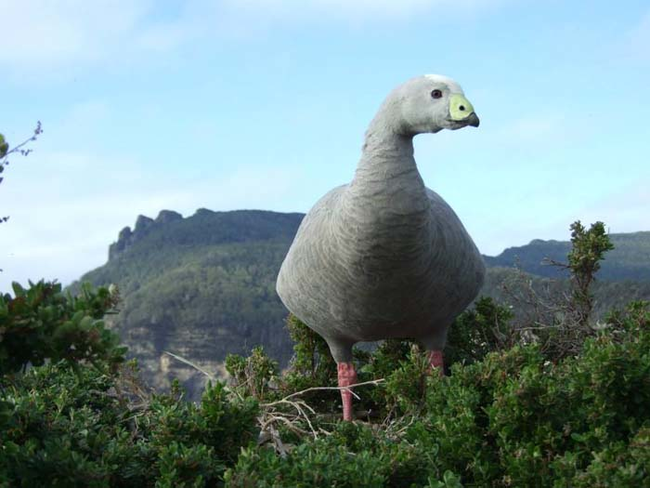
(42, 323)
(67, 428)
(77, 418)
(511, 419)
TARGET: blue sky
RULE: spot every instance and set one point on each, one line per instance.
(150, 105)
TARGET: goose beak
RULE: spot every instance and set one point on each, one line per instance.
(461, 110)
(473, 120)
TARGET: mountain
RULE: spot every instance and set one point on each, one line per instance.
(199, 287)
(204, 286)
(630, 259)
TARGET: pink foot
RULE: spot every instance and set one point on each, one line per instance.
(436, 361)
(347, 376)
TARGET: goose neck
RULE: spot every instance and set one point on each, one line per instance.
(387, 159)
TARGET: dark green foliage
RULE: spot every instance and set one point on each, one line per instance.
(588, 248)
(42, 323)
(76, 430)
(391, 359)
(311, 354)
(354, 455)
(478, 331)
(4, 147)
(312, 365)
(406, 384)
(76, 421)
(512, 419)
(323, 464)
(252, 375)
(388, 354)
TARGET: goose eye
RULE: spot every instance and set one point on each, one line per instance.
(436, 94)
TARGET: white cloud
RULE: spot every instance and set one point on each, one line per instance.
(65, 209)
(59, 38)
(41, 33)
(40, 37)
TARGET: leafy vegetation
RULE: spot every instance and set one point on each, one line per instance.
(511, 419)
(588, 250)
(81, 429)
(78, 417)
(41, 323)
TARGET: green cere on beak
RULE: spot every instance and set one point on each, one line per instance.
(459, 107)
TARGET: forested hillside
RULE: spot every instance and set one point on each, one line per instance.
(200, 287)
(204, 286)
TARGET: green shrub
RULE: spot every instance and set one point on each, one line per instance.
(74, 418)
(42, 323)
(252, 376)
(352, 456)
(587, 251)
(482, 329)
(312, 364)
(74, 429)
(511, 419)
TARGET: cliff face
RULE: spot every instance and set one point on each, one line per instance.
(143, 225)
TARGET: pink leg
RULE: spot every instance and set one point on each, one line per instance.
(347, 377)
(436, 361)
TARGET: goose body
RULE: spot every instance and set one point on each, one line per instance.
(384, 256)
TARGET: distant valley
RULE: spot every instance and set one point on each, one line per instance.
(204, 286)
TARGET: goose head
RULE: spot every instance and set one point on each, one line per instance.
(430, 103)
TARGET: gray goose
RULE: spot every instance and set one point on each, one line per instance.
(384, 256)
